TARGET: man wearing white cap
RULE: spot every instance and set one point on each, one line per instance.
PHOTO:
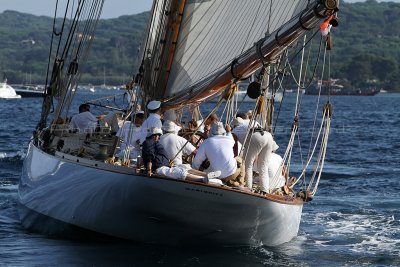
(174, 144)
(170, 115)
(218, 150)
(154, 119)
(241, 126)
(156, 161)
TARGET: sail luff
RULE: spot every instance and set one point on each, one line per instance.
(170, 40)
(267, 49)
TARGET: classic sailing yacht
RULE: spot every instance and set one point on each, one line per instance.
(193, 50)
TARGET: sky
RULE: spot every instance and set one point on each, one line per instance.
(111, 9)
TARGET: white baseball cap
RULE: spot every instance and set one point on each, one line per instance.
(154, 130)
(217, 128)
(169, 127)
(153, 105)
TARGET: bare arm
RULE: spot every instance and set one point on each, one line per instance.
(199, 158)
(149, 166)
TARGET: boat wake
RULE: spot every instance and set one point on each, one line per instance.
(11, 164)
(12, 156)
(366, 231)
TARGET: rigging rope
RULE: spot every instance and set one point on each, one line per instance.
(72, 54)
(198, 127)
(62, 79)
(195, 43)
(288, 152)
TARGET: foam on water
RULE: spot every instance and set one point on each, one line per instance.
(352, 221)
(371, 232)
(12, 155)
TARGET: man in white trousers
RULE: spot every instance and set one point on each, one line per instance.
(259, 148)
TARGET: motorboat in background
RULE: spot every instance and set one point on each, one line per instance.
(7, 91)
(332, 87)
(29, 90)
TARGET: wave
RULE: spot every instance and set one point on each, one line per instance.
(368, 231)
(12, 156)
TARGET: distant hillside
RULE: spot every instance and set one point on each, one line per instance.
(365, 46)
(24, 47)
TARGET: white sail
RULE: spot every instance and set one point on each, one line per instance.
(199, 43)
(214, 33)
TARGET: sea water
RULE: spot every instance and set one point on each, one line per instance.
(353, 220)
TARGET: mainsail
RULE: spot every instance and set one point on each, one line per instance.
(203, 45)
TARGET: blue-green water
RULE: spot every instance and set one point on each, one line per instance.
(354, 220)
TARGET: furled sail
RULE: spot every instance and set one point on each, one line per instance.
(202, 45)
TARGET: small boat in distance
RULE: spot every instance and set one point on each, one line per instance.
(89, 87)
(333, 88)
(29, 90)
(7, 92)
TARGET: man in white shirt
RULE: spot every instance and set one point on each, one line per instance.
(154, 119)
(174, 144)
(112, 120)
(170, 115)
(218, 149)
(242, 125)
(274, 166)
(84, 122)
(260, 149)
(130, 136)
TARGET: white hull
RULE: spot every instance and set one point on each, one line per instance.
(7, 92)
(10, 97)
(28, 90)
(151, 209)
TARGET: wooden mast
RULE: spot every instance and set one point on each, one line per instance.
(170, 39)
